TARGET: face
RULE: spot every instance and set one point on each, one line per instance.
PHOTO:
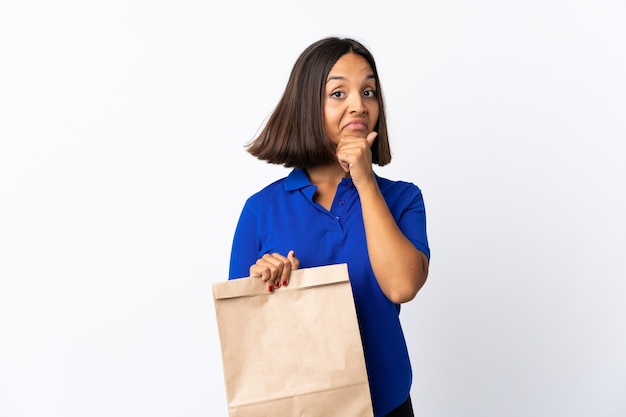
(350, 103)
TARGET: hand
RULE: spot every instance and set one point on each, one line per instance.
(355, 156)
(275, 269)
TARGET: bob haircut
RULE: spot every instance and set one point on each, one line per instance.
(294, 135)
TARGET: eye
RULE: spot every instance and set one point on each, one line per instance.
(337, 94)
(369, 93)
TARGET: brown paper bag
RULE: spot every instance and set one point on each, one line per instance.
(295, 352)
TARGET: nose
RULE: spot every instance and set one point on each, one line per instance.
(357, 104)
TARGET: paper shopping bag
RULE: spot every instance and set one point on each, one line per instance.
(295, 352)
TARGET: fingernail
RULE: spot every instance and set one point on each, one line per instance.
(270, 288)
(277, 284)
(284, 283)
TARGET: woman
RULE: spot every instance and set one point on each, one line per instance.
(330, 127)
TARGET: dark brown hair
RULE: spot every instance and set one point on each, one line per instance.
(294, 134)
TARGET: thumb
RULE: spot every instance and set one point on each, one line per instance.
(370, 138)
(295, 262)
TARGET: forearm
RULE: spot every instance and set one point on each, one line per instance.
(400, 268)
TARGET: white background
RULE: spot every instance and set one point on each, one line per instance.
(123, 172)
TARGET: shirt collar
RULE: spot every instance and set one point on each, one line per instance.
(296, 180)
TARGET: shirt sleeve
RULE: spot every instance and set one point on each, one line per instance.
(245, 246)
(413, 223)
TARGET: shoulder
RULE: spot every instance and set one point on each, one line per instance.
(401, 195)
(267, 192)
(391, 188)
(295, 180)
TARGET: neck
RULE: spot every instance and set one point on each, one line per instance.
(330, 174)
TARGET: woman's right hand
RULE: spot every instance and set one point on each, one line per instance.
(275, 269)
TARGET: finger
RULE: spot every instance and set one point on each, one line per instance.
(343, 154)
(267, 269)
(294, 263)
(285, 269)
(345, 165)
(280, 267)
(263, 272)
(370, 138)
(260, 270)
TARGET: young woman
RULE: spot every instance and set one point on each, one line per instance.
(330, 127)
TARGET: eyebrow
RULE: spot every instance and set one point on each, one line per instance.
(341, 78)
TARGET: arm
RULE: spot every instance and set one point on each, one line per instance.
(246, 243)
(400, 268)
(246, 260)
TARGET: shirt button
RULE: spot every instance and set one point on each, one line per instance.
(342, 202)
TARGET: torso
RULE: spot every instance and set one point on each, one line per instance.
(325, 196)
(326, 180)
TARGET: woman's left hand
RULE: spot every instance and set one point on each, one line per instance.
(355, 156)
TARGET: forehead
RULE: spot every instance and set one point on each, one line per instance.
(351, 64)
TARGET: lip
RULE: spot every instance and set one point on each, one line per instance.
(357, 124)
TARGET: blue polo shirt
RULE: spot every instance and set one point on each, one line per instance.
(283, 216)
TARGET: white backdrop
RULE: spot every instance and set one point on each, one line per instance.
(122, 174)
